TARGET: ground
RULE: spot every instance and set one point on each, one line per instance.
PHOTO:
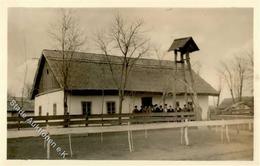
(205, 144)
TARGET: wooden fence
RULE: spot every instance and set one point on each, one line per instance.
(99, 120)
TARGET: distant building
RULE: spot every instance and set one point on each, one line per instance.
(245, 106)
(28, 106)
(90, 77)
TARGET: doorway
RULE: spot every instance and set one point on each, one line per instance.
(147, 101)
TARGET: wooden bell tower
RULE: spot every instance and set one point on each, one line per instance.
(182, 48)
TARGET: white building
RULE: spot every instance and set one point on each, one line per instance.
(90, 77)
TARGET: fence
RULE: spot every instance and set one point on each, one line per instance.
(99, 119)
(143, 122)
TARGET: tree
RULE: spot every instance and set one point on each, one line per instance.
(220, 86)
(128, 41)
(165, 80)
(227, 73)
(68, 38)
(235, 72)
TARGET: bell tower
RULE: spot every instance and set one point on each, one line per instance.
(182, 48)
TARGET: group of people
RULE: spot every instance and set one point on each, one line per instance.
(160, 108)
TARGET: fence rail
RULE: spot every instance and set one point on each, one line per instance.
(99, 119)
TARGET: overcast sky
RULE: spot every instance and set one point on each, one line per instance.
(219, 33)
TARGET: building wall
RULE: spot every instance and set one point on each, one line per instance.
(46, 101)
(75, 106)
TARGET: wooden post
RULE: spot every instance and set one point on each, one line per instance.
(186, 134)
(175, 80)
(18, 124)
(145, 130)
(86, 124)
(47, 116)
(71, 153)
(48, 144)
(222, 131)
(195, 98)
(129, 139)
(181, 135)
(132, 141)
(227, 134)
(184, 79)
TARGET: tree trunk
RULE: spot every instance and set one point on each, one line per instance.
(121, 98)
(65, 104)
(232, 95)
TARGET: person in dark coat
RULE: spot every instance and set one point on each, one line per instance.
(170, 109)
(135, 110)
(161, 108)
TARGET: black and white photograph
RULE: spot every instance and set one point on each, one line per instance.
(130, 84)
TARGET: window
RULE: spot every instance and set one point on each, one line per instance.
(40, 110)
(54, 109)
(111, 107)
(86, 107)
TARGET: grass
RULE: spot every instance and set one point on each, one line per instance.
(205, 144)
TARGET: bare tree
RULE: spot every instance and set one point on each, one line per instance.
(249, 58)
(165, 80)
(127, 40)
(235, 72)
(227, 73)
(69, 38)
(239, 71)
(220, 86)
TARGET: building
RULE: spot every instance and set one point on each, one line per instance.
(245, 106)
(26, 104)
(90, 77)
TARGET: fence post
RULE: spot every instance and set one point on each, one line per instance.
(186, 133)
(222, 131)
(86, 124)
(227, 134)
(132, 141)
(71, 154)
(18, 125)
(44, 143)
(181, 134)
(129, 138)
(48, 144)
(67, 120)
(47, 115)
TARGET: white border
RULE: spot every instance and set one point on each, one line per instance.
(122, 3)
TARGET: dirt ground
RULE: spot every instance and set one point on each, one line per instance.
(205, 144)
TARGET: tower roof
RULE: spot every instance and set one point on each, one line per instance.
(184, 45)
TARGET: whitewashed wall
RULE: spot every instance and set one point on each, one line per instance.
(46, 101)
(74, 103)
(203, 101)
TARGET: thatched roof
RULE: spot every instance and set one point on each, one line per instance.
(91, 72)
(227, 102)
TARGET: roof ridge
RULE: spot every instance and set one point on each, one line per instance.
(116, 56)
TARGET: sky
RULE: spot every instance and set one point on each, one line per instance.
(219, 33)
